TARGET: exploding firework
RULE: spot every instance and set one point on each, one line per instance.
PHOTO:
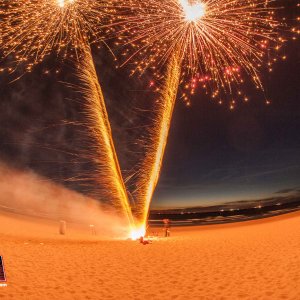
(158, 136)
(211, 43)
(32, 29)
(216, 40)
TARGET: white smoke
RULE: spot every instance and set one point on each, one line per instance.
(26, 193)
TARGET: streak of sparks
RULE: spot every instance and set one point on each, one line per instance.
(99, 126)
(152, 162)
(219, 40)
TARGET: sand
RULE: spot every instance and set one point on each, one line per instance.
(251, 260)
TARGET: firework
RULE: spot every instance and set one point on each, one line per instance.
(32, 29)
(209, 43)
(111, 176)
(217, 39)
(151, 165)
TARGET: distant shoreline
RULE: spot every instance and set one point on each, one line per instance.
(221, 214)
(241, 223)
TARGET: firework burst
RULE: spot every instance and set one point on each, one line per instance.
(32, 29)
(211, 43)
(217, 40)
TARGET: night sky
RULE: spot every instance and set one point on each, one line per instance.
(213, 155)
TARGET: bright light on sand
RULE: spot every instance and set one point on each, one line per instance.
(193, 12)
(138, 232)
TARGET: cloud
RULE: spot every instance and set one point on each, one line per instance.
(287, 191)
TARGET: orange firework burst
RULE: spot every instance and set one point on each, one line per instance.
(217, 40)
(207, 42)
(32, 29)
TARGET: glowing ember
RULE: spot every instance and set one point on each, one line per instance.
(31, 30)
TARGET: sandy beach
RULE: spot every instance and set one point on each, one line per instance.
(250, 260)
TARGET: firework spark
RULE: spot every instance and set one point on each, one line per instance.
(207, 42)
(32, 29)
(111, 176)
(217, 39)
(158, 136)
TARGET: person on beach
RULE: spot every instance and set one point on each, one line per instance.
(166, 227)
(143, 241)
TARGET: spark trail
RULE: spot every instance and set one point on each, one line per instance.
(158, 136)
(99, 127)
